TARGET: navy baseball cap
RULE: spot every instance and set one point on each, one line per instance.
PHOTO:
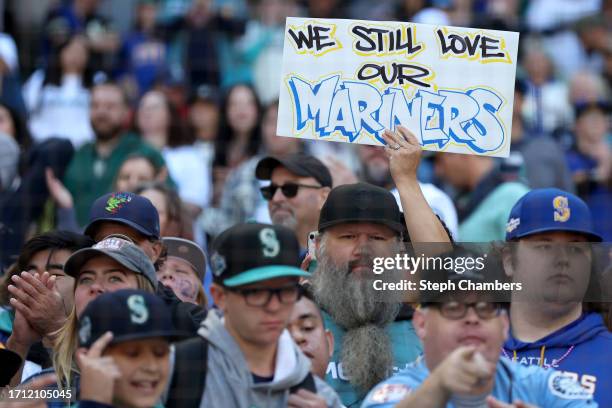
(129, 314)
(249, 253)
(125, 208)
(303, 165)
(550, 209)
(125, 252)
(361, 202)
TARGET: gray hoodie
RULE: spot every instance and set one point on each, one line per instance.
(229, 383)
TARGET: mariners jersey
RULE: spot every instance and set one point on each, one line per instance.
(533, 385)
(406, 348)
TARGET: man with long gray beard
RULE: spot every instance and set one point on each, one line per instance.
(358, 223)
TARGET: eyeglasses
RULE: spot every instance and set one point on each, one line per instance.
(260, 297)
(289, 190)
(458, 310)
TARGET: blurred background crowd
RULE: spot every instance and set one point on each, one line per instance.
(196, 108)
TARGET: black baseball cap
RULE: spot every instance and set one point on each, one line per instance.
(125, 208)
(126, 253)
(252, 252)
(129, 314)
(300, 164)
(360, 202)
(9, 364)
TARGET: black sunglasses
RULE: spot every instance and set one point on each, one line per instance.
(289, 190)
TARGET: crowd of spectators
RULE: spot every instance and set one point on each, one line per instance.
(138, 137)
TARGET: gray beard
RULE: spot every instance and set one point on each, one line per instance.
(367, 357)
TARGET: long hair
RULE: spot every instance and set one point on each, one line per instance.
(22, 134)
(177, 131)
(226, 134)
(65, 341)
(53, 71)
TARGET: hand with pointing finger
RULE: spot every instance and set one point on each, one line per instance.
(98, 373)
(464, 371)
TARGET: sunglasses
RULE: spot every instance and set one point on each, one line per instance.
(289, 190)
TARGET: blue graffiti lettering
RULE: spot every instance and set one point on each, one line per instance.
(350, 107)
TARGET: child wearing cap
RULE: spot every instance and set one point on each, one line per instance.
(124, 354)
(183, 270)
(110, 265)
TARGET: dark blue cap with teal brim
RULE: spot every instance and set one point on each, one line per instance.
(250, 253)
(548, 210)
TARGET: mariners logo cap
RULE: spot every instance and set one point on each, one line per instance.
(129, 314)
(125, 208)
(120, 250)
(360, 202)
(249, 253)
(550, 209)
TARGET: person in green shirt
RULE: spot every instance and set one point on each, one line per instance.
(94, 166)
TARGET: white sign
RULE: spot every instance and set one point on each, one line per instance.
(348, 80)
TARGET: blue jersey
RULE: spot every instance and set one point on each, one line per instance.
(533, 385)
(582, 349)
(406, 348)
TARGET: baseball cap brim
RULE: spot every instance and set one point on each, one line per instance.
(171, 335)
(395, 226)
(79, 258)
(264, 273)
(266, 166)
(594, 237)
(91, 226)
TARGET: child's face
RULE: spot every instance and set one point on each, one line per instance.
(144, 366)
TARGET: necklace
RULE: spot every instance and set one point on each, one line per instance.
(558, 361)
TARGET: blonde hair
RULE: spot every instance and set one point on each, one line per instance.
(65, 341)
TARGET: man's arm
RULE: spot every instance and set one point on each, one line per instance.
(421, 222)
(464, 371)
